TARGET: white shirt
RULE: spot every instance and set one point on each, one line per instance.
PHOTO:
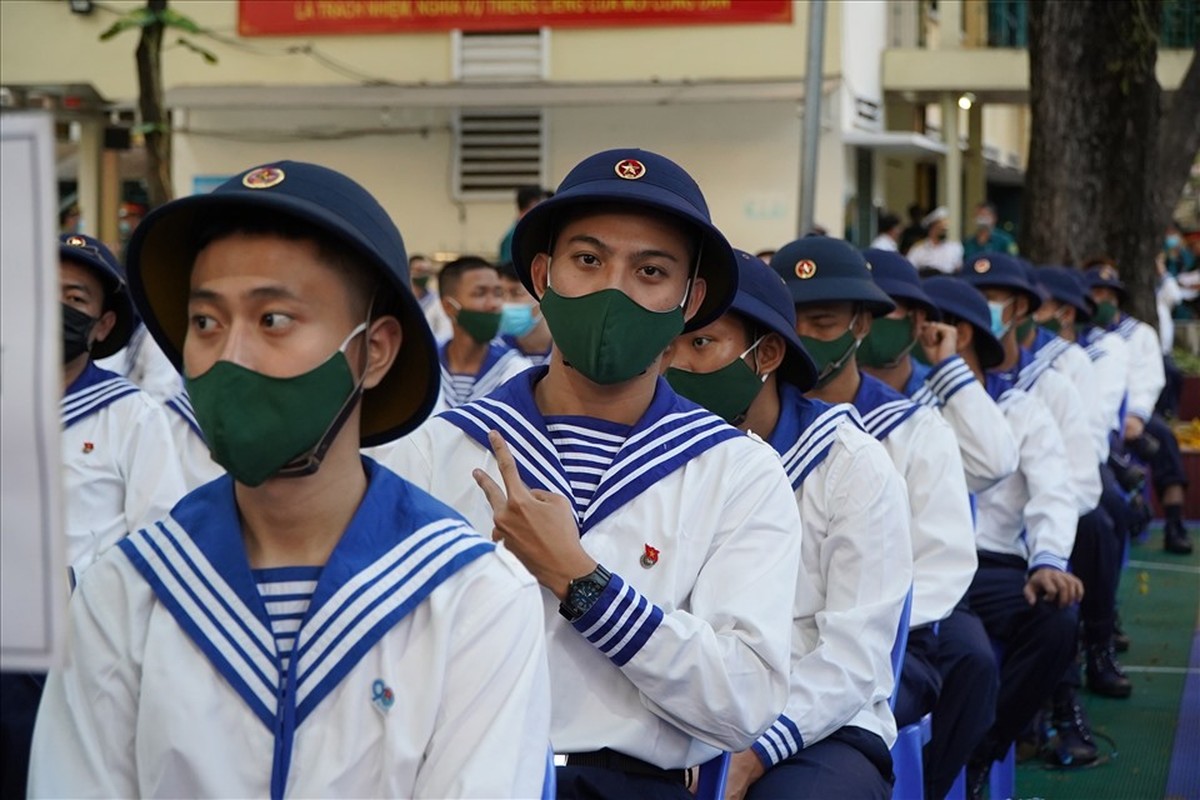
(143, 362)
(1073, 363)
(120, 468)
(1110, 362)
(884, 242)
(922, 446)
(1032, 513)
(166, 695)
(703, 664)
(195, 459)
(856, 563)
(1147, 376)
(436, 316)
(945, 256)
(985, 442)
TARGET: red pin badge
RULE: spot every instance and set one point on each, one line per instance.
(649, 557)
(88, 447)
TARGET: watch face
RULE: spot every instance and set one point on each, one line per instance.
(583, 596)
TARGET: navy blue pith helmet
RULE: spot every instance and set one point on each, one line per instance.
(763, 299)
(897, 276)
(160, 264)
(818, 269)
(1062, 285)
(1105, 276)
(633, 177)
(92, 254)
(1001, 271)
(959, 299)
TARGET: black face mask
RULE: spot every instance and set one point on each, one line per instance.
(76, 329)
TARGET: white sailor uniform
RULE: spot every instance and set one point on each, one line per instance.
(856, 559)
(923, 448)
(501, 363)
(143, 362)
(436, 316)
(1146, 375)
(1110, 361)
(686, 653)
(1073, 363)
(120, 468)
(195, 458)
(414, 670)
(985, 442)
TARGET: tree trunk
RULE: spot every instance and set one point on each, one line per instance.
(1091, 186)
(154, 114)
(1179, 139)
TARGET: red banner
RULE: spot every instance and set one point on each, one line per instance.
(316, 17)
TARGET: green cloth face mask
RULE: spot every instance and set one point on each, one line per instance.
(482, 326)
(888, 343)
(831, 357)
(1024, 328)
(726, 392)
(1054, 324)
(1104, 313)
(606, 336)
(257, 426)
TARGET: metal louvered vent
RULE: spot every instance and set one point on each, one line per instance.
(515, 57)
(497, 151)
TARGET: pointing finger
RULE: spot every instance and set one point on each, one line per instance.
(508, 466)
(491, 490)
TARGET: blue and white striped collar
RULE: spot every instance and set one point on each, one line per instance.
(181, 404)
(881, 408)
(669, 434)
(399, 547)
(1124, 328)
(804, 434)
(93, 390)
(486, 380)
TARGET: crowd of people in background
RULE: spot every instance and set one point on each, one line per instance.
(343, 521)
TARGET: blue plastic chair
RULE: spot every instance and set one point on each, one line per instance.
(907, 758)
(711, 783)
(550, 782)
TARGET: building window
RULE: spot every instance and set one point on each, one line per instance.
(495, 151)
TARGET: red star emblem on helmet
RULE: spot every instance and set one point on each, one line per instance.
(805, 269)
(630, 169)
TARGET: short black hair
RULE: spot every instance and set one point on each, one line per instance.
(530, 195)
(415, 257)
(451, 274)
(367, 287)
(508, 271)
(888, 221)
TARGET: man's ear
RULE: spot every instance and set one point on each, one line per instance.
(104, 326)
(862, 322)
(966, 335)
(771, 352)
(383, 338)
(539, 273)
(695, 298)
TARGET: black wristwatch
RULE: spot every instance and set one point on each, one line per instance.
(582, 593)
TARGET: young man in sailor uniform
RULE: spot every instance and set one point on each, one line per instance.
(833, 737)
(1146, 379)
(1095, 557)
(474, 361)
(837, 305)
(120, 470)
(963, 705)
(522, 326)
(422, 279)
(667, 543)
(1024, 532)
(309, 624)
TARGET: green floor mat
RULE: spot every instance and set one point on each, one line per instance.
(1159, 604)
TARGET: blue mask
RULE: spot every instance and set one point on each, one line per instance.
(516, 319)
(997, 310)
(1172, 241)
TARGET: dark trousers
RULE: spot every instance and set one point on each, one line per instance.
(1096, 560)
(850, 763)
(1037, 642)
(20, 693)
(598, 783)
(966, 707)
(920, 681)
(1166, 465)
(1168, 400)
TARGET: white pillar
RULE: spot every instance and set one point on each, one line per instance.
(951, 174)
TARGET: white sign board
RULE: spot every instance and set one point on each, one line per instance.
(33, 575)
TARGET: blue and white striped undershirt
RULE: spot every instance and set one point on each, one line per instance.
(286, 592)
(460, 386)
(586, 447)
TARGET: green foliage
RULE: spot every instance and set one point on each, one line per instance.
(144, 17)
(1188, 363)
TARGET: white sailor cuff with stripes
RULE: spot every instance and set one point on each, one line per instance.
(948, 377)
(781, 741)
(620, 621)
